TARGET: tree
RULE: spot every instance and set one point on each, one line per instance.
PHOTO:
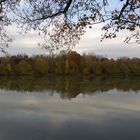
(63, 22)
(40, 66)
(23, 68)
(72, 62)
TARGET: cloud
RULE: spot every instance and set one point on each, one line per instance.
(89, 43)
(114, 48)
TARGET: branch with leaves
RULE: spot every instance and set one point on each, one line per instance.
(63, 22)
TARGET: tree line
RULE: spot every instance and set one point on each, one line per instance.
(70, 63)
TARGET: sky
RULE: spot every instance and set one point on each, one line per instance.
(89, 43)
(112, 48)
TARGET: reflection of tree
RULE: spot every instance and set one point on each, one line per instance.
(69, 87)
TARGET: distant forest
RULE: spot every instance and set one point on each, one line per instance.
(70, 63)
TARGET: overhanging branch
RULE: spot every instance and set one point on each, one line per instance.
(57, 13)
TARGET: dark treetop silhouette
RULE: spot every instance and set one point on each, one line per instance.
(62, 22)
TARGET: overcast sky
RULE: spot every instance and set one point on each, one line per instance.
(112, 48)
(89, 43)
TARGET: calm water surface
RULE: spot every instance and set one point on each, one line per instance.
(69, 109)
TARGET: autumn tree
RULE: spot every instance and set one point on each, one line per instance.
(23, 68)
(72, 63)
(63, 22)
(40, 66)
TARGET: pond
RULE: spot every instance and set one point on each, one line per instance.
(68, 108)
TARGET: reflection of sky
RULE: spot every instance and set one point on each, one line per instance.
(111, 115)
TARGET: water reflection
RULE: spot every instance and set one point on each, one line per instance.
(113, 114)
(70, 87)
